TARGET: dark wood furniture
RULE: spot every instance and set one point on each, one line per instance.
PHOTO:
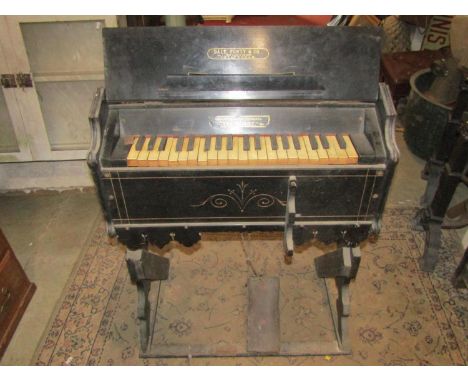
(15, 293)
(254, 83)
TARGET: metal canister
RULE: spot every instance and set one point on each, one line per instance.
(424, 118)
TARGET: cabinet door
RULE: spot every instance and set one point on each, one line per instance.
(14, 145)
(64, 57)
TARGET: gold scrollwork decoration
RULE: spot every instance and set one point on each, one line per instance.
(241, 198)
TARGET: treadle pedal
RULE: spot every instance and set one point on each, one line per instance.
(263, 324)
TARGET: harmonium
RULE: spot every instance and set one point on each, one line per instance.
(202, 129)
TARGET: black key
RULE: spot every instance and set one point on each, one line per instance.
(274, 142)
(151, 143)
(218, 143)
(313, 142)
(324, 141)
(362, 146)
(284, 140)
(258, 146)
(179, 144)
(230, 144)
(207, 143)
(139, 143)
(341, 141)
(191, 142)
(296, 143)
(246, 143)
(162, 144)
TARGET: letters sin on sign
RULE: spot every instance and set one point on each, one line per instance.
(438, 33)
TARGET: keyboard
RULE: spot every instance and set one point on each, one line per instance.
(231, 150)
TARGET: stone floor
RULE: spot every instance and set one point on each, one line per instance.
(48, 230)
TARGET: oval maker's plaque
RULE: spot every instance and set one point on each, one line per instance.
(237, 53)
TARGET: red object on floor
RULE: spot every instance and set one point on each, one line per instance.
(397, 69)
(15, 293)
(273, 20)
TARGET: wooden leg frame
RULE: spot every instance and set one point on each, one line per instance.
(145, 267)
(342, 265)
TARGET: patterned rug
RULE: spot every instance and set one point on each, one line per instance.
(399, 315)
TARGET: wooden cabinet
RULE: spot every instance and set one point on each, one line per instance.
(15, 293)
(50, 67)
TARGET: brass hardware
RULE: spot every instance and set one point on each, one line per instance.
(5, 295)
(24, 80)
(8, 81)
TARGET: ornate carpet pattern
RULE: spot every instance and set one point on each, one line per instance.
(399, 315)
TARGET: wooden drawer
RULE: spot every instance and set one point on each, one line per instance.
(15, 293)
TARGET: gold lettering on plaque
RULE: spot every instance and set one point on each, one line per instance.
(242, 121)
(237, 53)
